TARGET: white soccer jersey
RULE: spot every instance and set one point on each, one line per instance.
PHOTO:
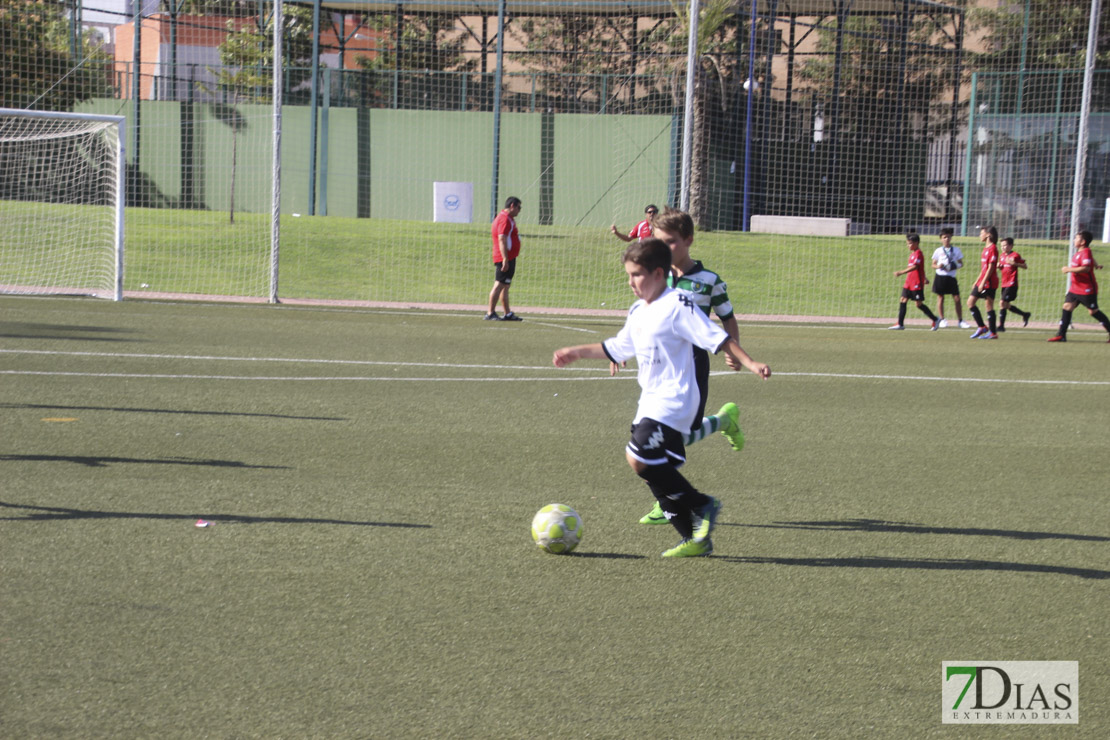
(944, 256)
(661, 335)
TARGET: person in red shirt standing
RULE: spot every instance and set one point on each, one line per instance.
(641, 231)
(1011, 262)
(1082, 287)
(913, 289)
(506, 247)
(986, 284)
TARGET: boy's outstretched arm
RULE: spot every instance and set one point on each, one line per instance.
(566, 355)
(734, 351)
(733, 330)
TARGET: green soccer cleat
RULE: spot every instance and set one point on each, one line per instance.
(705, 519)
(690, 549)
(655, 516)
(729, 416)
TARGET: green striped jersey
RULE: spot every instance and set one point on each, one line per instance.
(705, 288)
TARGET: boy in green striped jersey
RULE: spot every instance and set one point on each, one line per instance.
(708, 292)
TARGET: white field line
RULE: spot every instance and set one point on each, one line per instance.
(945, 379)
(315, 378)
(597, 372)
(298, 360)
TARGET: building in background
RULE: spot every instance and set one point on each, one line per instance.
(186, 70)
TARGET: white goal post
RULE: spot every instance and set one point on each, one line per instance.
(62, 193)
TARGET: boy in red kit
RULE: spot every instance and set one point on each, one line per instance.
(1082, 287)
(1011, 262)
(913, 289)
(986, 284)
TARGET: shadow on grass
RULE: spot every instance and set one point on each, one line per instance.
(56, 514)
(923, 564)
(606, 555)
(12, 330)
(883, 527)
(98, 461)
(127, 410)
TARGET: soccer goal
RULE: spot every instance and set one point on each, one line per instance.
(61, 203)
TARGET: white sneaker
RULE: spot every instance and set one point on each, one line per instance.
(943, 324)
(897, 327)
(965, 325)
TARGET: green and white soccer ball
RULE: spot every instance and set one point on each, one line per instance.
(557, 528)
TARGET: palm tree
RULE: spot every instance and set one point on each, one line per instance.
(720, 32)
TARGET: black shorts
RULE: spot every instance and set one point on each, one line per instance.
(1090, 301)
(1009, 294)
(946, 285)
(913, 295)
(653, 443)
(504, 275)
(984, 293)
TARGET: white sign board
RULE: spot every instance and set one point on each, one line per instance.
(801, 225)
(454, 203)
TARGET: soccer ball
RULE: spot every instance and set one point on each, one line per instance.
(557, 528)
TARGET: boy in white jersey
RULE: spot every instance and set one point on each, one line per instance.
(662, 329)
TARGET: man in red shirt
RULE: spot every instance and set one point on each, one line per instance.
(913, 289)
(641, 231)
(506, 247)
(1011, 262)
(1082, 287)
(986, 284)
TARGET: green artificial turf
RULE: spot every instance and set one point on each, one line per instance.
(904, 498)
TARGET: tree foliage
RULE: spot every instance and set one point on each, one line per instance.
(718, 75)
(427, 43)
(231, 8)
(1053, 34)
(891, 69)
(572, 55)
(421, 48)
(247, 53)
(247, 56)
(37, 66)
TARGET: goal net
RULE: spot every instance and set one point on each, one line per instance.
(61, 203)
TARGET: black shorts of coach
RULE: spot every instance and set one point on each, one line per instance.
(946, 285)
(1090, 301)
(504, 275)
(654, 443)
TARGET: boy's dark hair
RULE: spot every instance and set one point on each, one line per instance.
(511, 201)
(915, 238)
(649, 254)
(1087, 237)
(992, 231)
(947, 232)
(652, 208)
(1008, 240)
(675, 221)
